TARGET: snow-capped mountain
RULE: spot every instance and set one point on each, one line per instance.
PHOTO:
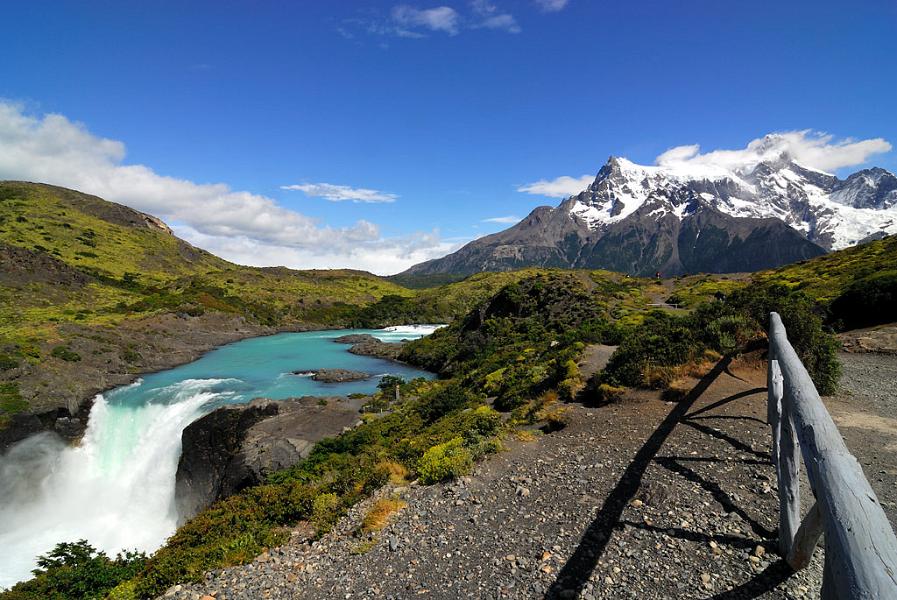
(692, 216)
(831, 212)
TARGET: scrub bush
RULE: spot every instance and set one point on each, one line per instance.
(444, 461)
(75, 571)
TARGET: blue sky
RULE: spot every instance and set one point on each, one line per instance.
(440, 111)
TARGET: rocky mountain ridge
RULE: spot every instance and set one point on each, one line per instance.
(691, 217)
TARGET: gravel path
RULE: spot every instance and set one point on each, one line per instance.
(643, 499)
(865, 410)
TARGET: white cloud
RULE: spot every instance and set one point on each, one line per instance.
(505, 22)
(551, 5)
(810, 148)
(562, 187)
(505, 220)
(339, 193)
(238, 225)
(490, 17)
(441, 18)
(382, 256)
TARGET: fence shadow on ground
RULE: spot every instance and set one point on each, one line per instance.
(579, 568)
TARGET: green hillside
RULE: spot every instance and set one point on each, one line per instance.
(76, 270)
(92, 293)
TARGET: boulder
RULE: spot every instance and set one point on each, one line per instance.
(212, 465)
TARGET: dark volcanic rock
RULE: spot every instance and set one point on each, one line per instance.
(22, 425)
(339, 375)
(238, 446)
(211, 464)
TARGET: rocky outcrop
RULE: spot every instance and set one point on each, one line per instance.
(367, 345)
(354, 338)
(238, 446)
(212, 464)
(338, 375)
(378, 349)
(59, 420)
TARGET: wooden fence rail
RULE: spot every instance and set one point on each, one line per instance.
(860, 546)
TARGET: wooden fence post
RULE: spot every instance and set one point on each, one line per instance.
(860, 545)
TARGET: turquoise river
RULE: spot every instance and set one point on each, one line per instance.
(116, 488)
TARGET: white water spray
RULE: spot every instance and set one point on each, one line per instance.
(115, 489)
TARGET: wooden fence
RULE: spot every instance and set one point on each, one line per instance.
(860, 546)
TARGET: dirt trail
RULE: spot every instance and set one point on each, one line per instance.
(643, 499)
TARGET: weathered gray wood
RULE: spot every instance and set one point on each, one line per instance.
(785, 458)
(806, 539)
(774, 404)
(789, 478)
(861, 548)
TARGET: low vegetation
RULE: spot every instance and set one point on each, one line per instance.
(379, 515)
(652, 354)
(507, 361)
(77, 571)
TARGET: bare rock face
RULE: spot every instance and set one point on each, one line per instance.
(235, 447)
(354, 338)
(212, 464)
(378, 349)
(59, 420)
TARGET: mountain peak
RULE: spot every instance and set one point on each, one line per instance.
(694, 212)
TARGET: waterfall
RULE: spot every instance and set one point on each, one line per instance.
(115, 489)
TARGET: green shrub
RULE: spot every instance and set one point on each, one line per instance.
(608, 394)
(444, 461)
(74, 571)
(443, 401)
(65, 353)
(816, 347)
(11, 401)
(481, 422)
(661, 340)
(868, 301)
(326, 511)
(230, 532)
(8, 362)
(126, 590)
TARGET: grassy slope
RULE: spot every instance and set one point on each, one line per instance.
(73, 260)
(827, 277)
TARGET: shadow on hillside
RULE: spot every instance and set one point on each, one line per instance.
(577, 570)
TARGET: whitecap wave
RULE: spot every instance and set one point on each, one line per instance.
(405, 332)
